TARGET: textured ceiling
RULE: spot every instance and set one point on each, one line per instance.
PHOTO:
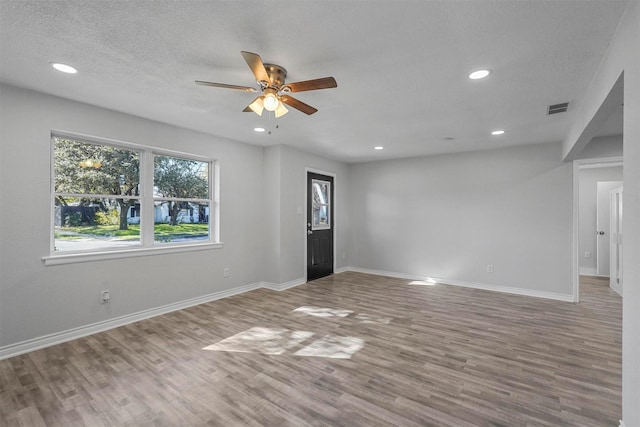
(401, 66)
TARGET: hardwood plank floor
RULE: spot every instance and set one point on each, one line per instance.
(347, 350)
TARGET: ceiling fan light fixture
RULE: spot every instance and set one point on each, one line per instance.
(281, 110)
(257, 106)
(270, 101)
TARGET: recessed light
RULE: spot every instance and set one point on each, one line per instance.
(64, 68)
(479, 74)
(379, 147)
(497, 132)
(259, 129)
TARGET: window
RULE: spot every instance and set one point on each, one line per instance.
(321, 208)
(180, 199)
(94, 187)
(120, 197)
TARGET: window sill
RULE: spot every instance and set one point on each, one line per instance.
(59, 259)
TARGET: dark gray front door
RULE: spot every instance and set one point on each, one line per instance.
(319, 225)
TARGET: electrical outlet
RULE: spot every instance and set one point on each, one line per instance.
(105, 296)
(225, 272)
(489, 268)
(587, 254)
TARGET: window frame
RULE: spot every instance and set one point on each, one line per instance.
(147, 245)
(321, 226)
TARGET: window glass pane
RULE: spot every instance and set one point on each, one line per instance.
(84, 224)
(177, 221)
(180, 178)
(321, 204)
(83, 168)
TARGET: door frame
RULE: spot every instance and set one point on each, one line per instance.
(617, 222)
(604, 187)
(335, 214)
(602, 162)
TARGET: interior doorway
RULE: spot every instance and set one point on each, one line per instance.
(591, 229)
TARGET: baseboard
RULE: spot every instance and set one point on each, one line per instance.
(621, 424)
(385, 273)
(284, 286)
(594, 275)
(616, 288)
(341, 270)
(82, 331)
(474, 285)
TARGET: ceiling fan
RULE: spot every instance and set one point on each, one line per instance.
(270, 79)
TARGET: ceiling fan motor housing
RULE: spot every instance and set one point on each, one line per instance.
(277, 75)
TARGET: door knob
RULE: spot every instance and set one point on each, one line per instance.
(309, 232)
(601, 233)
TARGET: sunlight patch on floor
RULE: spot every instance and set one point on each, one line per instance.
(262, 340)
(322, 311)
(333, 347)
(277, 341)
(427, 282)
(373, 318)
(334, 312)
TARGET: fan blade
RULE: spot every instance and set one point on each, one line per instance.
(257, 66)
(323, 83)
(298, 105)
(226, 86)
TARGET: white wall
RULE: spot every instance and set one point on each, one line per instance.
(623, 58)
(36, 300)
(587, 240)
(287, 256)
(272, 186)
(450, 216)
(605, 146)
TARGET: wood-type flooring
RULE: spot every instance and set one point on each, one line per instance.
(351, 349)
